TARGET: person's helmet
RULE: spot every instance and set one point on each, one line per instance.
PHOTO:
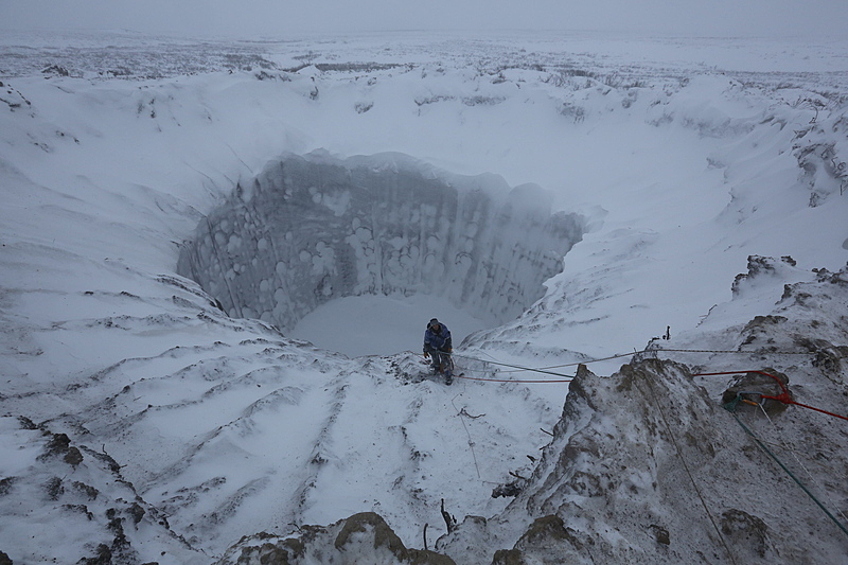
(433, 323)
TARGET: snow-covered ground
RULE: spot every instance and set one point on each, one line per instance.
(681, 156)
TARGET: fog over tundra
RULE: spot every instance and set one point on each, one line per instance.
(774, 18)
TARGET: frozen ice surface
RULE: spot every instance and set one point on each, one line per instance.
(381, 325)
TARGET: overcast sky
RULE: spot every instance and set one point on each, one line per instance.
(281, 17)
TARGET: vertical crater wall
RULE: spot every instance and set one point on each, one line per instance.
(310, 229)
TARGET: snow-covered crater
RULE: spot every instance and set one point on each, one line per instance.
(311, 229)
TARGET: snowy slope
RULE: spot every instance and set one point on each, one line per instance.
(648, 465)
(683, 157)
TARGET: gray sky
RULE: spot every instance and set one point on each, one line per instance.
(280, 17)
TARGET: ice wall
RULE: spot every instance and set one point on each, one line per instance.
(310, 229)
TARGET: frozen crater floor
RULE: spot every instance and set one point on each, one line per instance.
(381, 325)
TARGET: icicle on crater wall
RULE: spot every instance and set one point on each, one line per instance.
(310, 229)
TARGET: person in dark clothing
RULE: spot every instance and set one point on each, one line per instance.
(438, 346)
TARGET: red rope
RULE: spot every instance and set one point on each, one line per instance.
(805, 406)
(785, 397)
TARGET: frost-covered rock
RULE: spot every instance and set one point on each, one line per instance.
(361, 538)
(821, 149)
(760, 267)
(311, 229)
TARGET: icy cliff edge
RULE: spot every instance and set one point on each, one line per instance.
(314, 228)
